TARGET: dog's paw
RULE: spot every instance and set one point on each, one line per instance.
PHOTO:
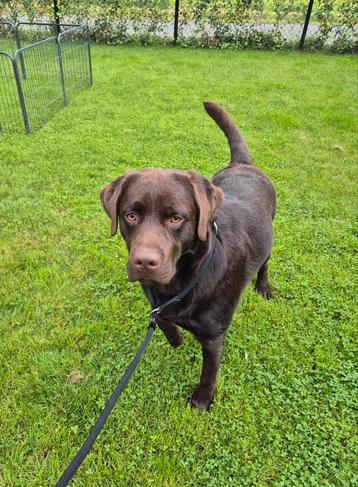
(200, 399)
(177, 340)
(264, 291)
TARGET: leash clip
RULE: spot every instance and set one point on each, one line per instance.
(155, 311)
(152, 322)
(159, 309)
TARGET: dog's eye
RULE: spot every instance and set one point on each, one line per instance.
(131, 217)
(176, 219)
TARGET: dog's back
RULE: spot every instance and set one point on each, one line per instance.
(249, 204)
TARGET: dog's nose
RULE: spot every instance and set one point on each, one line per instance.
(146, 259)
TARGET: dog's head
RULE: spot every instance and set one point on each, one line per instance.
(161, 213)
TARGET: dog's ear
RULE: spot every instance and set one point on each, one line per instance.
(110, 197)
(208, 198)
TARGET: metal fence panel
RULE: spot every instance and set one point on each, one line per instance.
(42, 85)
(40, 78)
(74, 50)
(10, 108)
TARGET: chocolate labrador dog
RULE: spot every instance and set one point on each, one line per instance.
(166, 219)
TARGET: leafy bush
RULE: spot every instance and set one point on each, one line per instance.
(258, 24)
(337, 19)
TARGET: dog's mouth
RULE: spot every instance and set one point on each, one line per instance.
(150, 278)
(151, 283)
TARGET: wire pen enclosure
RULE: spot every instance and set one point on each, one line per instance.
(42, 67)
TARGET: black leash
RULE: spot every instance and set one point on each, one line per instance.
(87, 445)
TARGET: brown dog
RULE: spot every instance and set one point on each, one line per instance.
(166, 217)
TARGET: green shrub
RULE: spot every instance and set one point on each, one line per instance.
(257, 24)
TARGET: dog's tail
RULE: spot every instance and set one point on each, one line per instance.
(238, 148)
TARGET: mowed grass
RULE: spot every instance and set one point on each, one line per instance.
(284, 412)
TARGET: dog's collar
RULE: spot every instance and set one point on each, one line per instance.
(158, 308)
(193, 249)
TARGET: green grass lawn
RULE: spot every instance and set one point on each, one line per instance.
(70, 322)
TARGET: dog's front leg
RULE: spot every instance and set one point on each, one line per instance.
(212, 354)
(171, 331)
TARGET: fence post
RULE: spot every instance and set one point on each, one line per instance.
(176, 20)
(60, 66)
(307, 21)
(21, 95)
(89, 55)
(57, 17)
(18, 46)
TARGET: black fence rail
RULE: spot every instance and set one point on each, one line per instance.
(42, 77)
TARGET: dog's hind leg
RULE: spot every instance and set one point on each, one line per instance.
(262, 283)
